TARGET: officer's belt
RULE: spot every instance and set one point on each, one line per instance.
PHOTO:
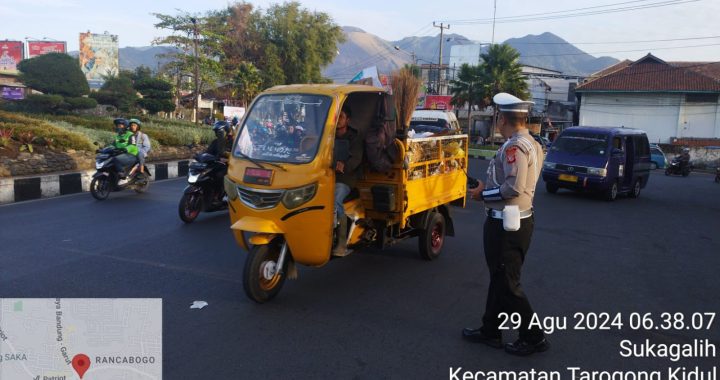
(498, 214)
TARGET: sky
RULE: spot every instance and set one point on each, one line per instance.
(693, 24)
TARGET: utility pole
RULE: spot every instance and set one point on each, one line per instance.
(440, 71)
(493, 28)
(196, 111)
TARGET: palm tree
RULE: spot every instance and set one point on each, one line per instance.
(469, 88)
(502, 71)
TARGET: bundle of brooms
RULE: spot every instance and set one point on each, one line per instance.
(405, 87)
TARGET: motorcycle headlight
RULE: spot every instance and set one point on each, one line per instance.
(230, 189)
(548, 165)
(602, 172)
(296, 197)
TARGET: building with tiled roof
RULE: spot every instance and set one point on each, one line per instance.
(669, 100)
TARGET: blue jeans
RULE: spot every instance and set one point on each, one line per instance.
(341, 191)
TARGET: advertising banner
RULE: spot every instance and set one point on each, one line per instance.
(36, 48)
(12, 93)
(438, 102)
(231, 112)
(98, 57)
(11, 53)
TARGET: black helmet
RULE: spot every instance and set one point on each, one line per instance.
(120, 120)
(221, 125)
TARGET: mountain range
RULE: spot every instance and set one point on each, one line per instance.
(362, 49)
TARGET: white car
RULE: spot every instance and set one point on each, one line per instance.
(425, 119)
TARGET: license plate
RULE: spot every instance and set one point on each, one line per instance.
(258, 176)
(568, 178)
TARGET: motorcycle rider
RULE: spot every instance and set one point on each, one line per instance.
(684, 158)
(142, 141)
(220, 147)
(123, 141)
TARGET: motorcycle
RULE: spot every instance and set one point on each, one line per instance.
(676, 167)
(205, 190)
(107, 179)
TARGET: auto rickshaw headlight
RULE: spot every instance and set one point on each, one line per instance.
(296, 197)
(230, 189)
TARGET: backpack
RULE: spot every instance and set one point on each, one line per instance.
(380, 149)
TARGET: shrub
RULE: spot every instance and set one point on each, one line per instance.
(80, 103)
(61, 137)
(42, 103)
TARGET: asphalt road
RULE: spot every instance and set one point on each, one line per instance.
(378, 314)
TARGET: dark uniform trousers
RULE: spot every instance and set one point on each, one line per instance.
(505, 253)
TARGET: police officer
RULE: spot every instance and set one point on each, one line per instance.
(511, 179)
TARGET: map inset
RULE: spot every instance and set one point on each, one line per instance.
(80, 338)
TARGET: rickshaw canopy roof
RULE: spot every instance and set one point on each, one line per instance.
(323, 89)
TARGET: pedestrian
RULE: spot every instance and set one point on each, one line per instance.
(508, 196)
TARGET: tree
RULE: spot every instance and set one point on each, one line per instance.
(302, 42)
(248, 82)
(60, 79)
(118, 91)
(54, 73)
(469, 88)
(502, 72)
(156, 92)
(198, 40)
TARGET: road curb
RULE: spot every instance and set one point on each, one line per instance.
(18, 189)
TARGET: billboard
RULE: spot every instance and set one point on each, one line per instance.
(12, 93)
(11, 53)
(36, 48)
(438, 102)
(98, 57)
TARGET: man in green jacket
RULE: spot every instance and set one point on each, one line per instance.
(123, 141)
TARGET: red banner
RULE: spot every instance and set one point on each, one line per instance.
(11, 53)
(438, 102)
(36, 48)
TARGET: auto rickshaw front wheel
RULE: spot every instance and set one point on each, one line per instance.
(262, 278)
(432, 237)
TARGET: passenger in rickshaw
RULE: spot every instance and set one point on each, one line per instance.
(348, 156)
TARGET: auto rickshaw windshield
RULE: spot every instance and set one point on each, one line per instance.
(283, 128)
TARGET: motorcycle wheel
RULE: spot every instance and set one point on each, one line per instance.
(686, 172)
(142, 183)
(189, 207)
(100, 188)
(667, 171)
(262, 279)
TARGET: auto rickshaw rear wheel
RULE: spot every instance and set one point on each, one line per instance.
(262, 279)
(432, 237)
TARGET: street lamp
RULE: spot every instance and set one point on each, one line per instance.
(412, 53)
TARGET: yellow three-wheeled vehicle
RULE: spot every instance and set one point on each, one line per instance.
(281, 182)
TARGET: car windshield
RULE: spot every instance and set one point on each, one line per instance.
(429, 121)
(283, 128)
(594, 144)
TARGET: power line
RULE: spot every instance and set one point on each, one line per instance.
(616, 42)
(549, 13)
(526, 18)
